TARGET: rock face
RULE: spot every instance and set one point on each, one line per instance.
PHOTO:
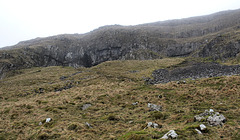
(207, 36)
(193, 71)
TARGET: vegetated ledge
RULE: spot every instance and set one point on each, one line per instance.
(193, 71)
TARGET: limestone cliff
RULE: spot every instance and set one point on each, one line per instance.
(216, 36)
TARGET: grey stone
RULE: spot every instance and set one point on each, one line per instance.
(211, 110)
(213, 118)
(204, 115)
(216, 119)
(154, 107)
(153, 125)
(86, 106)
(40, 123)
(202, 127)
(171, 134)
(88, 125)
(48, 120)
(130, 122)
(198, 131)
(136, 103)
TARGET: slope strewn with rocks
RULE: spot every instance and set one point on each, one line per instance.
(111, 101)
(193, 71)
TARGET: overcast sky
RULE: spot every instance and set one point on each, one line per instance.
(27, 19)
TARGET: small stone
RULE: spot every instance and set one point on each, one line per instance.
(40, 123)
(154, 107)
(198, 131)
(211, 110)
(202, 127)
(153, 125)
(130, 122)
(170, 134)
(48, 120)
(86, 106)
(88, 125)
(136, 103)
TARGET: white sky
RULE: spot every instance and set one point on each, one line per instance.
(27, 19)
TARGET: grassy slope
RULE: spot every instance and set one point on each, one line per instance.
(111, 87)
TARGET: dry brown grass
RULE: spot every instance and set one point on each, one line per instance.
(111, 88)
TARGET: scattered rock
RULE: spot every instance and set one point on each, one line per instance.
(154, 107)
(202, 127)
(153, 125)
(192, 71)
(171, 134)
(68, 86)
(198, 131)
(86, 106)
(213, 118)
(40, 123)
(130, 122)
(48, 120)
(204, 115)
(216, 119)
(88, 125)
(136, 103)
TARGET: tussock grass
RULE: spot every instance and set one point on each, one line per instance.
(29, 97)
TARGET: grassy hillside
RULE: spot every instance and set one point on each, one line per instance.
(29, 96)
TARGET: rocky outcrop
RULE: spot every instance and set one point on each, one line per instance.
(211, 117)
(207, 36)
(218, 48)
